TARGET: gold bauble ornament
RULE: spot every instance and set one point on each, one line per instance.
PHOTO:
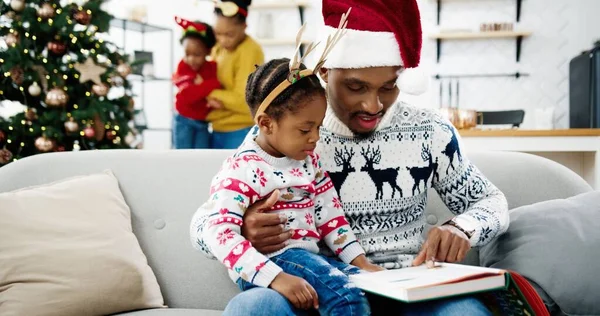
(71, 126)
(124, 70)
(17, 5)
(34, 89)
(11, 39)
(100, 90)
(31, 114)
(57, 97)
(44, 144)
(46, 11)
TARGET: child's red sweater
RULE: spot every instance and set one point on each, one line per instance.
(190, 100)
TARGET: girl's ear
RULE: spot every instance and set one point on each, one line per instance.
(265, 123)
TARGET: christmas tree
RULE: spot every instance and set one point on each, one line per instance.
(58, 67)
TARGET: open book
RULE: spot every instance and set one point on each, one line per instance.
(421, 283)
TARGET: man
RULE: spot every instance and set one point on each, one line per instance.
(382, 156)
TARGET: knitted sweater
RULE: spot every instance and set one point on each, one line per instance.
(233, 69)
(307, 199)
(190, 100)
(383, 182)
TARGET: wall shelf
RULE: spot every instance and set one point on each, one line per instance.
(268, 5)
(518, 35)
(279, 41)
(439, 8)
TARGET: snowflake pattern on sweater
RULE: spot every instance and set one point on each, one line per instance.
(384, 180)
(250, 175)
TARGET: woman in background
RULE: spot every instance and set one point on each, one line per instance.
(237, 56)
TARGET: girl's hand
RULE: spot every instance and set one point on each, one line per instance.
(364, 264)
(215, 104)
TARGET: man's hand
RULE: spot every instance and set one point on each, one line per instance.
(446, 244)
(297, 290)
(214, 103)
(265, 231)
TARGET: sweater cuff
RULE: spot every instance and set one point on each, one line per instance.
(470, 225)
(351, 251)
(266, 274)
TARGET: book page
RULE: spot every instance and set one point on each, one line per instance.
(421, 276)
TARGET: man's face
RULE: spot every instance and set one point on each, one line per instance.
(360, 97)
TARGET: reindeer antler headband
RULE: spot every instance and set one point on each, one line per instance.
(229, 9)
(295, 72)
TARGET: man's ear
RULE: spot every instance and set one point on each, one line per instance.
(265, 123)
(324, 73)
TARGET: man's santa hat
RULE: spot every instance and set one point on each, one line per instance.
(379, 33)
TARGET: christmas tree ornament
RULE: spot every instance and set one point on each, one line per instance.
(46, 11)
(31, 114)
(131, 105)
(124, 70)
(129, 139)
(83, 17)
(116, 81)
(57, 97)
(60, 148)
(111, 135)
(100, 90)
(71, 126)
(57, 48)
(89, 132)
(44, 144)
(11, 39)
(34, 89)
(5, 156)
(76, 146)
(99, 128)
(17, 5)
(90, 71)
(2, 137)
(17, 75)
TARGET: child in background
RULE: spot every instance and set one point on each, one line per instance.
(195, 79)
(289, 104)
(237, 55)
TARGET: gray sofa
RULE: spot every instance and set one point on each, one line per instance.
(164, 189)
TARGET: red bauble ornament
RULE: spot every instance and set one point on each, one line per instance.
(111, 135)
(2, 137)
(89, 132)
(83, 17)
(57, 48)
(60, 148)
(5, 156)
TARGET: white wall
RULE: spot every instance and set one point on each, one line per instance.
(561, 30)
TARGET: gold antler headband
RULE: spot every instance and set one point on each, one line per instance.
(295, 72)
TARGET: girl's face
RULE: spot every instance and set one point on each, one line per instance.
(195, 52)
(230, 32)
(295, 134)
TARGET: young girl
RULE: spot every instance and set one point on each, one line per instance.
(236, 55)
(195, 79)
(288, 104)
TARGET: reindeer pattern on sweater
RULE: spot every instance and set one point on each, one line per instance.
(383, 182)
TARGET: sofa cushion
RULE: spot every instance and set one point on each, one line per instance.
(67, 248)
(556, 245)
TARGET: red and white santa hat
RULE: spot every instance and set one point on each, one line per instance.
(379, 33)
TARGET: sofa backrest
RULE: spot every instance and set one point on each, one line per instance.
(165, 188)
